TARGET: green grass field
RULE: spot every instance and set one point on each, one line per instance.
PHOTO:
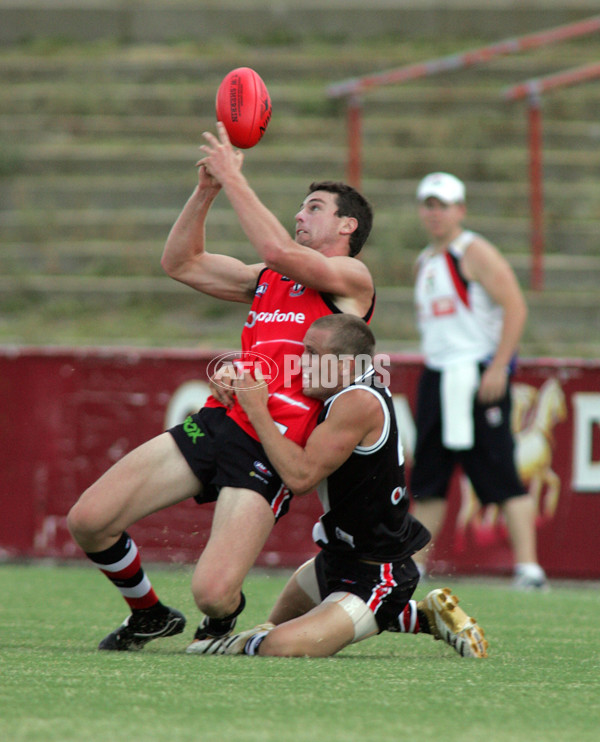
(541, 681)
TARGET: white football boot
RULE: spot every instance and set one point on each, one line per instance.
(449, 623)
(233, 644)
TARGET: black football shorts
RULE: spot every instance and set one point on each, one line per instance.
(489, 464)
(221, 454)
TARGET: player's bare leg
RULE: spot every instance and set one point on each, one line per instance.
(242, 522)
(299, 596)
(519, 513)
(321, 632)
(294, 601)
(150, 478)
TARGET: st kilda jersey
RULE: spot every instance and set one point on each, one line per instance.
(280, 314)
(365, 501)
(458, 320)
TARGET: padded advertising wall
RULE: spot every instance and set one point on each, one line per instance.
(67, 415)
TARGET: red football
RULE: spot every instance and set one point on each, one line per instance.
(244, 106)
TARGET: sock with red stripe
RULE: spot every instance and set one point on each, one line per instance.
(410, 620)
(122, 565)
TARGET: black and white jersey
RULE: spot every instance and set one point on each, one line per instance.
(365, 501)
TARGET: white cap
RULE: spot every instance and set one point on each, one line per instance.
(443, 186)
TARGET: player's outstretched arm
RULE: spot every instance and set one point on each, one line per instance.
(223, 163)
(326, 269)
(185, 258)
(349, 422)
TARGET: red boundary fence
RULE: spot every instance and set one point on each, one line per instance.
(354, 89)
(533, 90)
(67, 415)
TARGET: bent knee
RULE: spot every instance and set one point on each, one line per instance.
(214, 596)
(79, 520)
(87, 523)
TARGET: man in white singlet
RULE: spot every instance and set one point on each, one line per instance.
(471, 313)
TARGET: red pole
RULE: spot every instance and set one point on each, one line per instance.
(536, 192)
(532, 90)
(354, 122)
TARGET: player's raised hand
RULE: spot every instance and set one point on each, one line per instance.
(221, 159)
(206, 181)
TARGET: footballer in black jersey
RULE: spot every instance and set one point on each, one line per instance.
(362, 581)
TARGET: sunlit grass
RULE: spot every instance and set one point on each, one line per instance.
(540, 682)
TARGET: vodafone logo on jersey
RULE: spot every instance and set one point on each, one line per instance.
(276, 316)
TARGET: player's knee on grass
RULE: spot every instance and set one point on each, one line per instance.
(291, 639)
(341, 619)
(360, 614)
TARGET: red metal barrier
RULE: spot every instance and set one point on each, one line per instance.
(533, 90)
(354, 88)
(67, 415)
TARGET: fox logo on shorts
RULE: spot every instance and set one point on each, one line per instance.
(192, 429)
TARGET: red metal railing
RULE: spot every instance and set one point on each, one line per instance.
(533, 90)
(353, 89)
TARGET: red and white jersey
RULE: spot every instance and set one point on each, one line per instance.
(280, 314)
(457, 319)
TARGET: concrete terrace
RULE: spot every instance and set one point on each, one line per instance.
(103, 105)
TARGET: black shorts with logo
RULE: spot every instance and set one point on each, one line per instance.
(386, 588)
(489, 464)
(221, 454)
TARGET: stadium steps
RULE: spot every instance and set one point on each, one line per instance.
(97, 147)
(557, 326)
(284, 20)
